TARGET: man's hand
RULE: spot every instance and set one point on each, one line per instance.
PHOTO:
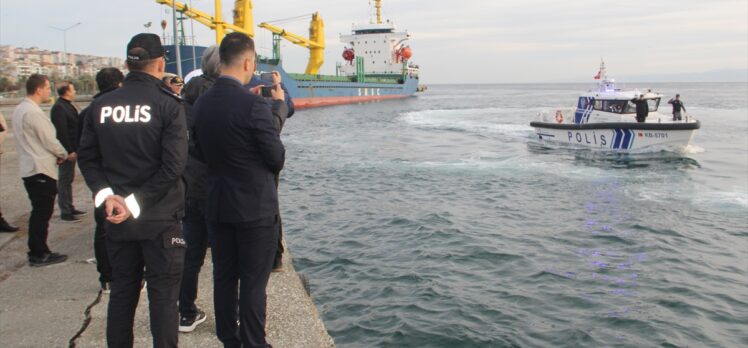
(116, 209)
(277, 92)
(276, 77)
(256, 90)
(60, 160)
(72, 157)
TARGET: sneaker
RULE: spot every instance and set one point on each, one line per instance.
(47, 259)
(6, 227)
(79, 213)
(106, 287)
(69, 218)
(189, 324)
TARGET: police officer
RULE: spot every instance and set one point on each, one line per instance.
(132, 154)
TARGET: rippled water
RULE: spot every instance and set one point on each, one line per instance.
(436, 221)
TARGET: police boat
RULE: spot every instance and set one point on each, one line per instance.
(606, 119)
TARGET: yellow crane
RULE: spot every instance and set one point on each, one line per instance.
(244, 23)
(315, 43)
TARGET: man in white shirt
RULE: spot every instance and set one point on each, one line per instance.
(39, 154)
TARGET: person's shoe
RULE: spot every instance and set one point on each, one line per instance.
(79, 213)
(6, 227)
(278, 267)
(47, 259)
(69, 218)
(189, 324)
(106, 287)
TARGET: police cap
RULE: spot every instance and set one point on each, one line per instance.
(144, 46)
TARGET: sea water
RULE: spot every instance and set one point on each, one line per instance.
(437, 221)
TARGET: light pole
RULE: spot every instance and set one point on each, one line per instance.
(65, 41)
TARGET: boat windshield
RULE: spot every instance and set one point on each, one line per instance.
(631, 107)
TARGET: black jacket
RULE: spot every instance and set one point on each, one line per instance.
(642, 108)
(196, 173)
(236, 136)
(65, 118)
(677, 105)
(135, 141)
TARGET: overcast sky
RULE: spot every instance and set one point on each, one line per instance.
(466, 41)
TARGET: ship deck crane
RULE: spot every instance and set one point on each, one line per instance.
(315, 43)
(244, 23)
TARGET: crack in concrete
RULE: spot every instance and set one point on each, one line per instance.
(86, 320)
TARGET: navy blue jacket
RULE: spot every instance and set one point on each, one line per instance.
(235, 134)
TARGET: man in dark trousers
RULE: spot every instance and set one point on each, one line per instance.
(65, 118)
(237, 138)
(133, 152)
(194, 224)
(642, 108)
(677, 106)
(107, 79)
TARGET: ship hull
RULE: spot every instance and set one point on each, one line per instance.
(327, 91)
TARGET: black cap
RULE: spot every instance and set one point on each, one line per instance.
(144, 46)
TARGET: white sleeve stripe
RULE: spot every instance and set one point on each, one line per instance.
(102, 195)
(133, 206)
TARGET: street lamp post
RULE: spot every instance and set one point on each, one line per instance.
(65, 41)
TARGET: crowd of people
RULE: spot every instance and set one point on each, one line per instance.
(173, 169)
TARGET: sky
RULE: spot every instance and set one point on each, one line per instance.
(466, 41)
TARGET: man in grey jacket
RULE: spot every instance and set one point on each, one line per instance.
(39, 154)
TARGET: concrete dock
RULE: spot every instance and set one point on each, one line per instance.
(61, 305)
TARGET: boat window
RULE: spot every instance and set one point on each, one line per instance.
(631, 107)
(616, 106)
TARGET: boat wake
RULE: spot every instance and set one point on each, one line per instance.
(478, 121)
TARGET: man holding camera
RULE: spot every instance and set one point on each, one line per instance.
(237, 137)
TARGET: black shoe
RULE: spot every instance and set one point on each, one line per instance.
(6, 227)
(69, 218)
(278, 266)
(189, 324)
(106, 287)
(79, 213)
(47, 259)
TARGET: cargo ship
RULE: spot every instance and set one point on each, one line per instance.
(376, 59)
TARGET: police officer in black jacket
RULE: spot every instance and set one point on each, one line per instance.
(238, 139)
(133, 152)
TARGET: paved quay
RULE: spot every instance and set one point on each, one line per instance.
(61, 305)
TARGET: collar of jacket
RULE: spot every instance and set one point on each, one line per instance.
(104, 92)
(141, 77)
(225, 79)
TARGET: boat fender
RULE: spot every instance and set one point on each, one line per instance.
(559, 116)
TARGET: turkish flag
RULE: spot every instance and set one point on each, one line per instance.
(597, 77)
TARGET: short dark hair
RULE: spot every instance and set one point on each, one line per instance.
(35, 82)
(233, 46)
(677, 95)
(109, 78)
(63, 87)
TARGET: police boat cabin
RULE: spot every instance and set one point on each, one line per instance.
(609, 118)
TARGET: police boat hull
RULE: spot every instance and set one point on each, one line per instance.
(612, 119)
(618, 136)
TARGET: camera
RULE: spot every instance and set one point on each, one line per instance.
(267, 77)
(265, 91)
